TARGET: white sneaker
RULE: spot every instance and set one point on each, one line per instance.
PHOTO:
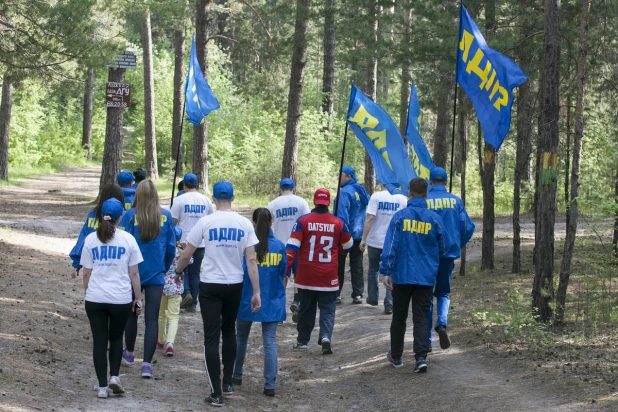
(103, 393)
(115, 386)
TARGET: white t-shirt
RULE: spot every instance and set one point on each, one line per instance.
(286, 209)
(383, 206)
(110, 281)
(189, 209)
(225, 235)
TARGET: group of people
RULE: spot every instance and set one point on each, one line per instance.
(237, 269)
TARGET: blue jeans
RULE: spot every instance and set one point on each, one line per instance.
(310, 300)
(192, 276)
(441, 292)
(269, 339)
(373, 291)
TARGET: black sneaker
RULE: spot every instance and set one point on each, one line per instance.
(294, 307)
(338, 301)
(371, 302)
(445, 341)
(388, 310)
(228, 389)
(269, 392)
(214, 400)
(295, 317)
(357, 300)
(237, 381)
(429, 350)
(326, 349)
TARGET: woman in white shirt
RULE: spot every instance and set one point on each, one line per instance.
(109, 259)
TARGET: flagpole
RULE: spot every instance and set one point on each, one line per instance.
(450, 185)
(345, 137)
(182, 120)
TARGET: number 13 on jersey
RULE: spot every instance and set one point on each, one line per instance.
(324, 248)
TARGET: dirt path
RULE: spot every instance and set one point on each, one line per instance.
(46, 349)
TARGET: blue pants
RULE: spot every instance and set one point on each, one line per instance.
(310, 300)
(269, 339)
(192, 276)
(373, 291)
(441, 292)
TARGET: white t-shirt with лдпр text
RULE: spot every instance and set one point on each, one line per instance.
(285, 210)
(189, 208)
(383, 206)
(110, 281)
(225, 235)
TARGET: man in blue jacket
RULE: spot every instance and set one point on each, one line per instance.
(409, 262)
(352, 204)
(125, 181)
(458, 229)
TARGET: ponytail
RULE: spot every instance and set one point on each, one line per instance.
(106, 229)
(263, 220)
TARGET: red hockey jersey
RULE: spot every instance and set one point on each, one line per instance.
(317, 238)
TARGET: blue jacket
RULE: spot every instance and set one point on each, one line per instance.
(354, 201)
(413, 245)
(272, 291)
(129, 196)
(158, 253)
(458, 227)
(90, 225)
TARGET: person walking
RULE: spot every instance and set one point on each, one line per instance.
(316, 238)
(140, 174)
(92, 222)
(152, 228)
(285, 210)
(110, 258)
(187, 210)
(380, 210)
(272, 264)
(125, 181)
(458, 228)
(170, 303)
(409, 263)
(227, 237)
(352, 203)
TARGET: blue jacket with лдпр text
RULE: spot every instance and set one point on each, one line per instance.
(272, 292)
(458, 227)
(413, 246)
(129, 196)
(353, 200)
(90, 225)
(158, 253)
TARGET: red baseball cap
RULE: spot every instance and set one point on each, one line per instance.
(321, 197)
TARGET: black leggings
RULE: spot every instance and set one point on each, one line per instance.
(152, 295)
(107, 322)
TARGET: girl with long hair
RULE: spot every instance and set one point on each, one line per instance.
(153, 230)
(110, 258)
(272, 262)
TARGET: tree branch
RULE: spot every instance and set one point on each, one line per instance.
(258, 16)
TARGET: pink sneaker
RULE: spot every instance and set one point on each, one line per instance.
(169, 349)
(160, 345)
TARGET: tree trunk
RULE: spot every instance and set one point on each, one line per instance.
(488, 177)
(571, 228)
(406, 67)
(463, 144)
(149, 110)
(372, 80)
(295, 97)
(87, 121)
(543, 288)
(5, 122)
(328, 77)
(440, 144)
(112, 151)
(200, 133)
(568, 154)
(615, 240)
(179, 96)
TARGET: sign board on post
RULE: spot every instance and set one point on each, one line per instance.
(124, 60)
(118, 95)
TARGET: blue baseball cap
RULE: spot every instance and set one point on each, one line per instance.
(190, 179)
(286, 183)
(125, 177)
(177, 233)
(438, 174)
(349, 170)
(113, 208)
(223, 190)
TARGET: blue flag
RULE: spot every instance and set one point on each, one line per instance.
(200, 100)
(382, 140)
(419, 155)
(488, 77)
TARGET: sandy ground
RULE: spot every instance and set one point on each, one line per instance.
(45, 340)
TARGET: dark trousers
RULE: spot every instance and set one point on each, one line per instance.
(219, 306)
(192, 276)
(421, 299)
(310, 300)
(107, 322)
(356, 270)
(152, 303)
